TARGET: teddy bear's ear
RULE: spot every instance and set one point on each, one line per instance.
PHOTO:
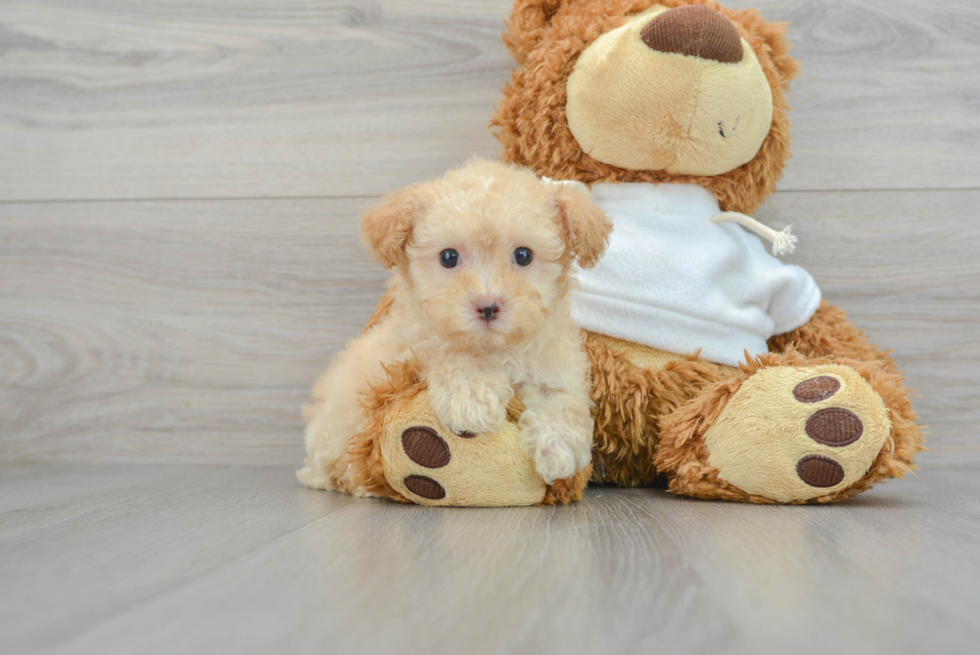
(585, 227)
(527, 25)
(387, 226)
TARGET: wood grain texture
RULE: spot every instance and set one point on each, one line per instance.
(187, 331)
(190, 332)
(259, 98)
(203, 323)
(148, 559)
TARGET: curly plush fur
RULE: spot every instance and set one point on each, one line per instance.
(654, 412)
(547, 36)
(651, 423)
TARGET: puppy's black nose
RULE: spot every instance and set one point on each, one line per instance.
(694, 30)
(488, 312)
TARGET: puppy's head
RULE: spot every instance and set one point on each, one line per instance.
(485, 251)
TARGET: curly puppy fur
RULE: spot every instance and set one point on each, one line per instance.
(480, 326)
(547, 36)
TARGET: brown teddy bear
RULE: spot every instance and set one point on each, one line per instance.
(715, 367)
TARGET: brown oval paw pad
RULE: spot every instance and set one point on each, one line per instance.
(819, 471)
(425, 487)
(816, 389)
(835, 427)
(425, 447)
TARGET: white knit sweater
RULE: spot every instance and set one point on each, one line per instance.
(674, 280)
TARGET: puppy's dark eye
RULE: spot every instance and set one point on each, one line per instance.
(449, 258)
(523, 256)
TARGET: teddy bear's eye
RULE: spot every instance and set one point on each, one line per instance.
(449, 258)
(523, 256)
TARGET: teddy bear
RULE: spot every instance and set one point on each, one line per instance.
(717, 369)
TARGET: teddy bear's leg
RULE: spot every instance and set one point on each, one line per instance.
(830, 334)
(407, 455)
(633, 387)
(797, 427)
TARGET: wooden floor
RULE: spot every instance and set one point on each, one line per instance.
(165, 559)
(179, 190)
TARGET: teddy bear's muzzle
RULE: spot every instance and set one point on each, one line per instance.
(694, 30)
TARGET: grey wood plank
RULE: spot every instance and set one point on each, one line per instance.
(221, 98)
(190, 332)
(25, 489)
(383, 577)
(884, 93)
(229, 98)
(204, 323)
(891, 571)
(86, 551)
(243, 560)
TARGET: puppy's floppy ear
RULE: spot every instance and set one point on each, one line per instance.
(387, 226)
(585, 228)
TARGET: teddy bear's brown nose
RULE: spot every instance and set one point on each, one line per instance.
(694, 30)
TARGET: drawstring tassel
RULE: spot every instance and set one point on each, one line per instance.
(560, 184)
(783, 241)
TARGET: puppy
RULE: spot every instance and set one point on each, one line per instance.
(482, 262)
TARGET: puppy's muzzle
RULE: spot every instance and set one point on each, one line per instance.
(487, 311)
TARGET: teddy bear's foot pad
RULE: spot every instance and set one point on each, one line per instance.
(425, 447)
(425, 487)
(794, 434)
(819, 471)
(430, 465)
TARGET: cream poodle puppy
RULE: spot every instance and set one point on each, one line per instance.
(483, 265)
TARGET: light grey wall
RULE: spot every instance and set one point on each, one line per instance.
(180, 183)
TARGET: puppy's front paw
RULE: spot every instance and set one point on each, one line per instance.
(559, 447)
(473, 408)
(554, 460)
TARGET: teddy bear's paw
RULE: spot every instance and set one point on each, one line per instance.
(430, 465)
(797, 434)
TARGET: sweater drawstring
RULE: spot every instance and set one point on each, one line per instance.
(560, 184)
(783, 241)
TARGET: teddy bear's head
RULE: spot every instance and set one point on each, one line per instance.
(649, 91)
